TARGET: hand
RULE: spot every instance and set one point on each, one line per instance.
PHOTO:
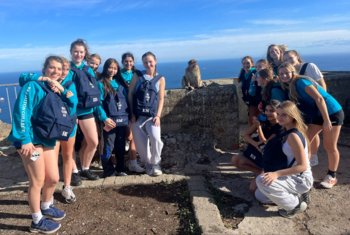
(69, 94)
(327, 125)
(55, 86)
(269, 177)
(156, 121)
(27, 150)
(110, 123)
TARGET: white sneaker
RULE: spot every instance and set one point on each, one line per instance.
(314, 160)
(157, 171)
(135, 167)
(328, 182)
(127, 145)
(68, 195)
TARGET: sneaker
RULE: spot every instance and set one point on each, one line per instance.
(328, 182)
(157, 171)
(149, 169)
(68, 195)
(298, 209)
(314, 160)
(305, 197)
(44, 226)
(54, 213)
(136, 168)
(75, 180)
(88, 174)
(121, 174)
(127, 145)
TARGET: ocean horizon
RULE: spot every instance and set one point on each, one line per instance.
(174, 71)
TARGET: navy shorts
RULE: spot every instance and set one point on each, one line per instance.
(86, 116)
(337, 119)
(253, 155)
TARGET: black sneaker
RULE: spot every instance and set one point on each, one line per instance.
(75, 180)
(89, 175)
(301, 207)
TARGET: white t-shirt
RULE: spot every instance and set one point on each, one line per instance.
(312, 71)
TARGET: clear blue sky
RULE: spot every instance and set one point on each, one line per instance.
(174, 30)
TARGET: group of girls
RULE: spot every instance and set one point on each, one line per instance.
(293, 96)
(40, 155)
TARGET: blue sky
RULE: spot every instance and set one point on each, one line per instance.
(173, 30)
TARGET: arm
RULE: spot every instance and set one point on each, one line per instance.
(27, 77)
(161, 94)
(132, 86)
(70, 97)
(247, 136)
(21, 124)
(322, 83)
(301, 160)
(321, 105)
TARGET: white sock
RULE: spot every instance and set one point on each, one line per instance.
(45, 205)
(66, 187)
(37, 217)
(75, 171)
(85, 168)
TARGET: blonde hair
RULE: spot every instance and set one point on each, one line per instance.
(293, 94)
(292, 111)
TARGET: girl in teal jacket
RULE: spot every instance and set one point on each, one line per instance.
(38, 155)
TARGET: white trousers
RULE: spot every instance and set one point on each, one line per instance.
(147, 140)
(286, 190)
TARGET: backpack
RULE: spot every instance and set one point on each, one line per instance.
(273, 157)
(87, 90)
(303, 69)
(116, 107)
(53, 120)
(145, 98)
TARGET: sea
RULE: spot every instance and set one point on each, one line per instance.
(174, 71)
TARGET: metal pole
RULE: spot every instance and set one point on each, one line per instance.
(9, 103)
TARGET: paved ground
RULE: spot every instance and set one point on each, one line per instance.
(328, 212)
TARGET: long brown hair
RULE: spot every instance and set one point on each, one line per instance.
(105, 77)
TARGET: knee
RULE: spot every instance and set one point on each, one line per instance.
(52, 180)
(235, 160)
(37, 184)
(259, 181)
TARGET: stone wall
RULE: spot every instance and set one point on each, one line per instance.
(338, 84)
(211, 111)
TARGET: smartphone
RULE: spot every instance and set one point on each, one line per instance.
(35, 156)
(262, 117)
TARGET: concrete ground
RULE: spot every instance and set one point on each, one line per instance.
(328, 212)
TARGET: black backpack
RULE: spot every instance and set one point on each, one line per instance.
(116, 107)
(273, 157)
(145, 99)
(303, 69)
(87, 90)
(53, 120)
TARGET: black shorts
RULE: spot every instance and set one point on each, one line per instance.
(253, 155)
(337, 119)
(86, 116)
